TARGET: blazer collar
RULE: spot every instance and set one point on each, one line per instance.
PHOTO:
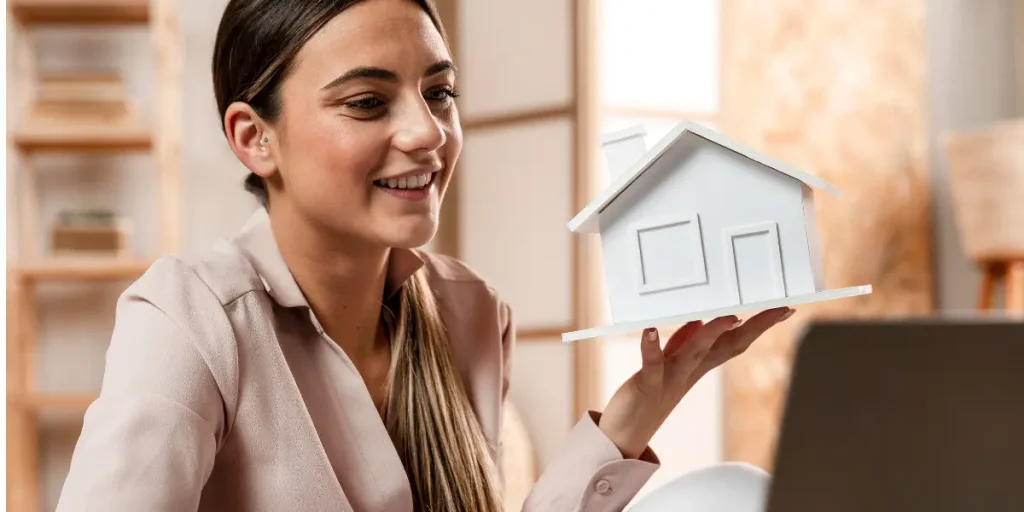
(256, 240)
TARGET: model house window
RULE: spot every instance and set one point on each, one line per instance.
(669, 254)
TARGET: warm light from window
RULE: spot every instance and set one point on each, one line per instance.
(660, 54)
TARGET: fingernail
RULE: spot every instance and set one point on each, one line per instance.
(737, 324)
(652, 335)
(786, 316)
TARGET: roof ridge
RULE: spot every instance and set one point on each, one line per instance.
(583, 221)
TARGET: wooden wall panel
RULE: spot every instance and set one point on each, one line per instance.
(529, 119)
(514, 56)
(446, 239)
(542, 391)
(515, 199)
(837, 88)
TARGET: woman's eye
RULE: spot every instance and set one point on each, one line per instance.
(442, 94)
(370, 103)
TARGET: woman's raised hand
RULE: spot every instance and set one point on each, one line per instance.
(643, 402)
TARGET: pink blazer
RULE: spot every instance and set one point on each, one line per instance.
(220, 393)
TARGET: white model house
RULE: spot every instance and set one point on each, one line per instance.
(700, 226)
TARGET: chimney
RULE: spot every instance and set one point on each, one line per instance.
(622, 149)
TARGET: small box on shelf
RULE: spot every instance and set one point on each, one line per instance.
(82, 111)
(84, 87)
(86, 234)
(86, 98)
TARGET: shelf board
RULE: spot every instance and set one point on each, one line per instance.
(82, 269)
(36, 401)
(80, 12)
(84, 138)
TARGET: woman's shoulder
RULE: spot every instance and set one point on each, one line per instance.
(447, 270)
(176, 282)
(473, 308)
(455, 281)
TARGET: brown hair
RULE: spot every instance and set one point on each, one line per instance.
(428, 413)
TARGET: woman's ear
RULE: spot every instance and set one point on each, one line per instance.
(251, 139)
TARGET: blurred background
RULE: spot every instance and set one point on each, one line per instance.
(912, 108)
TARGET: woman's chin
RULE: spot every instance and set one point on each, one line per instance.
(412, 235)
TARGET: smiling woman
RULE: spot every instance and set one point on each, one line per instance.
(345, 105)
(318, 360)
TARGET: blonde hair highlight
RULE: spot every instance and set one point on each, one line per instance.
(429, 416)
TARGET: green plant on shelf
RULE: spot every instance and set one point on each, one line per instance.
(90, 217)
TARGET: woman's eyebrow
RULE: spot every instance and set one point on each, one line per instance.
(363, 72)
(384, 74)
(440, 67)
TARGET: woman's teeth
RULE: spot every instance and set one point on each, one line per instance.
(418, 181)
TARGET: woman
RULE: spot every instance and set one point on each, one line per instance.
(317, 361)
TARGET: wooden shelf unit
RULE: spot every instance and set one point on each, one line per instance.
(26, 402)
(84, 139)
(80, 12)
(76, 269)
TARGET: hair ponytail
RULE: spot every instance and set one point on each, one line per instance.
(429, 416)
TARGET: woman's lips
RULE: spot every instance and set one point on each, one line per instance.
(414, 187)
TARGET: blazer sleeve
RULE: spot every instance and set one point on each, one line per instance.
(589, 474)
(149, 441)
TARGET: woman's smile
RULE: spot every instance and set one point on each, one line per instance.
(416, 186)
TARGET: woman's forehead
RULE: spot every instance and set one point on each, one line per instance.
(391, 34)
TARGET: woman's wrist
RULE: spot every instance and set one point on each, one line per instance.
(631, 440)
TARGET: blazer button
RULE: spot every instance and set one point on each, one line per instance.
(603, 487)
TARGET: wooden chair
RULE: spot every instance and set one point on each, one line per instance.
(986, 169)
(1006, 271)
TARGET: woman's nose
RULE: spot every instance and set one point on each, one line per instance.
(418, 129)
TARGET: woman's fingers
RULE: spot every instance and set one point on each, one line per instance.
(696, 348)
(736, 341)
(652, 372)
(763, 321)
(692, 352)
(681, 336)
(741, 337)
(650, 349)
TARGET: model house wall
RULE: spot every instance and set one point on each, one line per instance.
(813, 239)
(687, 212)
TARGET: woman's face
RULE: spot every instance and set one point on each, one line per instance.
(369, 132)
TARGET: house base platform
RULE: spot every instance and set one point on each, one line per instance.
(639, 325)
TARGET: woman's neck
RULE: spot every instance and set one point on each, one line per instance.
(342, 281)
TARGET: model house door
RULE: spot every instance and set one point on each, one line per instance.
(754, 260)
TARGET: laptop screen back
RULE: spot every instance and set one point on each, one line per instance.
(904, 416)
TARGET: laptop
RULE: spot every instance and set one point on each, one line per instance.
(924, 415)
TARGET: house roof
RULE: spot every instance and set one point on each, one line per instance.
(586, 219)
